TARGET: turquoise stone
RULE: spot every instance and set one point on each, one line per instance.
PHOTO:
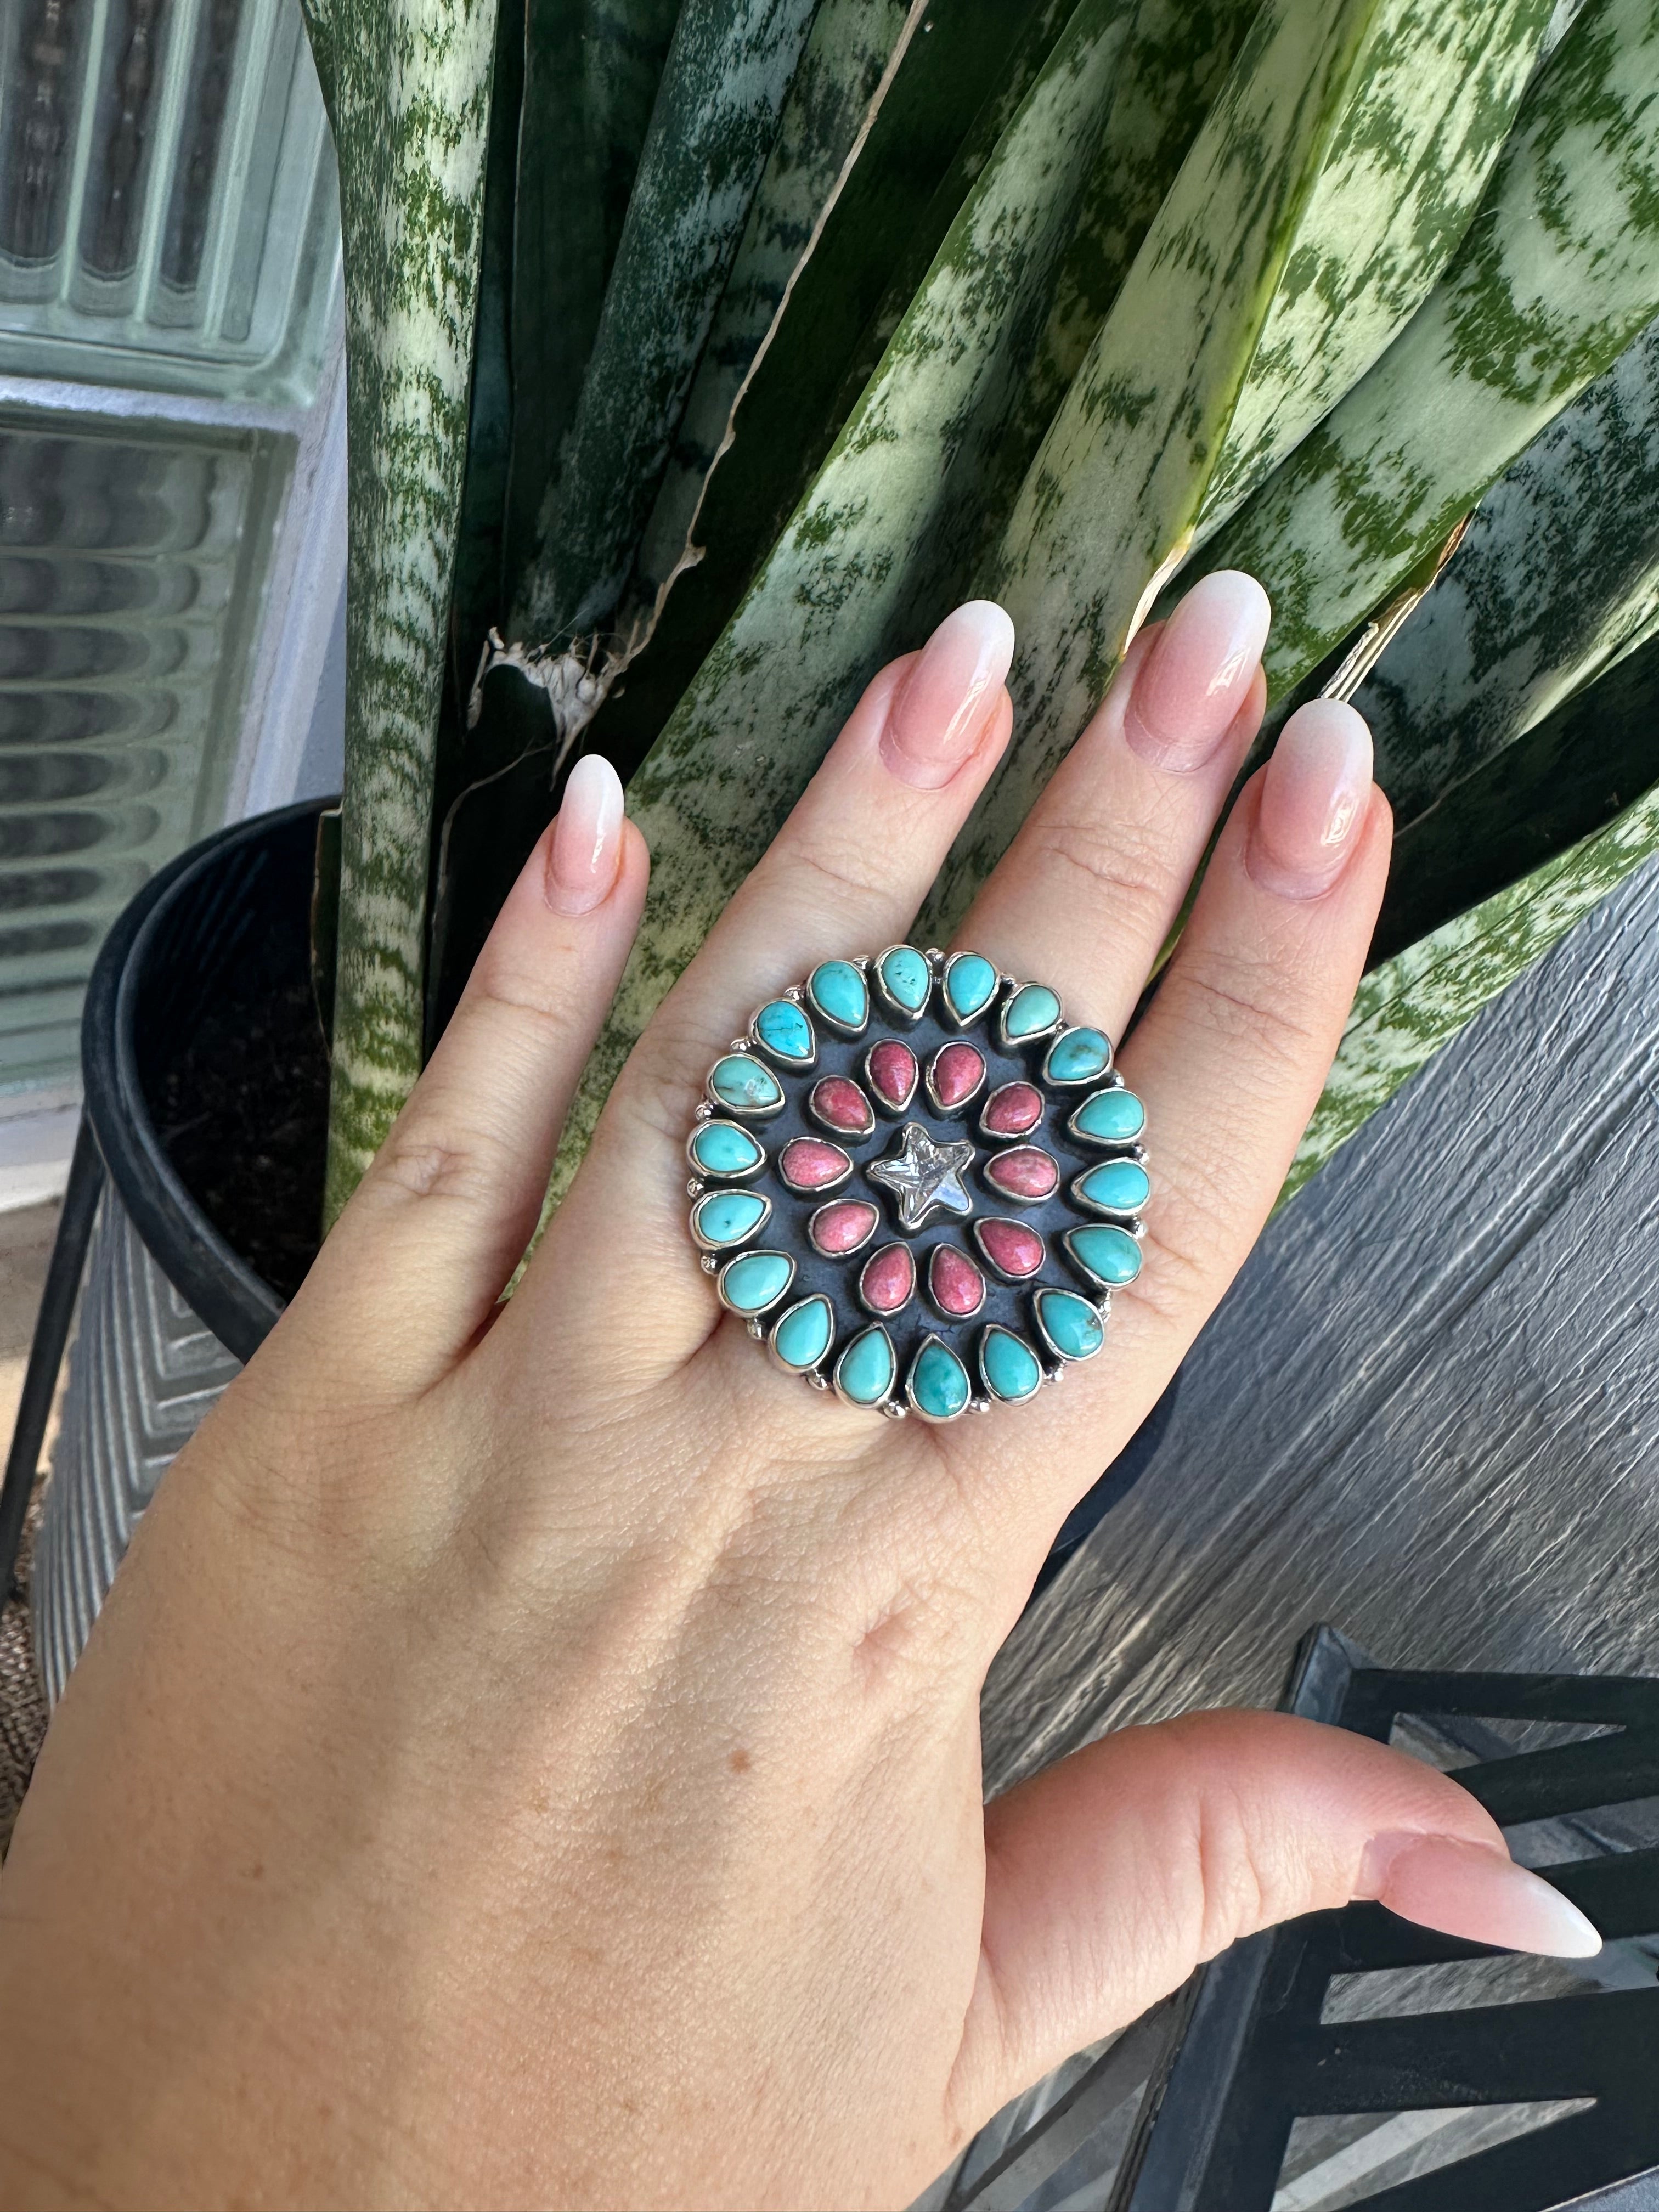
(721, 1148)
(970, 984)
(938, 1384)
(784, 1030)
(805, 1335)
(1115, 1187)
(841, 994)
(1033, 1009)
(1079, 1056)
(759, 1279)
(1110, 1117)
(906, 977)
(744, 1083)
(1012, 1369)
(864, 1372)
(728, 1217)
(1111, 1255)
(1070, 1324)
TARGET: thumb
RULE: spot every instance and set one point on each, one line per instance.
(1111, 1876)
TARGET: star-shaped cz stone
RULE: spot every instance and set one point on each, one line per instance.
(923, 1175)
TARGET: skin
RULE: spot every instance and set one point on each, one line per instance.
(530, 1755)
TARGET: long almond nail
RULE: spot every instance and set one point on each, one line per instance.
(1191, 685)
(939, 711)
(1314, 799)
(1474, 1891)
(582, 860)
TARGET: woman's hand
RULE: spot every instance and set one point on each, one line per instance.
(532, 1756)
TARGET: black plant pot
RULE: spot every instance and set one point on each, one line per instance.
(175, 1300)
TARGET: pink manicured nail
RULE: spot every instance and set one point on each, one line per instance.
(1471, 1891)
(1198, 673)
(939, 711)
(1313, 797)
(581, 861)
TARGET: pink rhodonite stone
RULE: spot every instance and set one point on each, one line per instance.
(843, 1227)
(1010, 1246)
(891, 1068)
(809, 1163)
(1013, 1111)
(889, 1278)
(954, 1283)
(958, 1071)
(839, 1104)
(1024, 1173)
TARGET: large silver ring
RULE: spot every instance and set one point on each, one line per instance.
(918, 1185)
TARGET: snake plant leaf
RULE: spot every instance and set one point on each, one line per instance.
(955, 90)
(1557, 277)
(851, 53)
(1563, 779)
(1557, 572)
(1305, 205)
(1417, 1001)
(713, 125)
(1175, 60)
(409, 108)
(837, 592)
(591, 72)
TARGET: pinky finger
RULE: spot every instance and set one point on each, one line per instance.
(416, 1261)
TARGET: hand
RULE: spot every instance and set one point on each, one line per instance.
(532, 1754)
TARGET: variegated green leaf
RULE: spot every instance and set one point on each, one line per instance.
(591, 73)
(1256, 227)
(1563, 779)
(1555, 278)
(713, 126)
(853, 48)
(933, 125)
(410, 83)
(1407, 1009)
(839, 589)
(1558, 571)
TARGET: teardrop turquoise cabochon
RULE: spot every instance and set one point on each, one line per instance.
(1070, 1324)
(744, 1083)
(1110, 1117)
(803, 1336)
(840, 994)
(784, 1030)
(721, 1148)
(759, 1279)
(907, 976)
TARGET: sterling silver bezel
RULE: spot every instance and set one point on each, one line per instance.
(775, 1059)
(728, 1190)
(937, 1420)
(1100, 1307)
(753, 1313)
(964, 1103)
(723, 1178)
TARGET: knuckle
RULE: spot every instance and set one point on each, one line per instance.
(842, 866)
(1120, 866)
(419, 1164)
(1247, 1005)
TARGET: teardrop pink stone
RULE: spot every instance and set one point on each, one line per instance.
(809, 1163)
(1024, 1173)
(889, 1278)
(1010, 1246)
(843, 1226)
(1013, 1111)
(839, 1104)
(891, 1068)
(954, 1283)
(958, 1071)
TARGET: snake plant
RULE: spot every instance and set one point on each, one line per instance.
(702, 353)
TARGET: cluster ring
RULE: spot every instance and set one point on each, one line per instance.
(917, 1184)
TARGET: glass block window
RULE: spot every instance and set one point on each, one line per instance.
(168, 203)
(131, 565)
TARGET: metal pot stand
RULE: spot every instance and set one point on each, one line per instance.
(1244, 2051)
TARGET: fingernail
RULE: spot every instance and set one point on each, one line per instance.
(1477, 1893)
(1313, 797)
(939, 709)
(1197, 674)
(582, 860)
